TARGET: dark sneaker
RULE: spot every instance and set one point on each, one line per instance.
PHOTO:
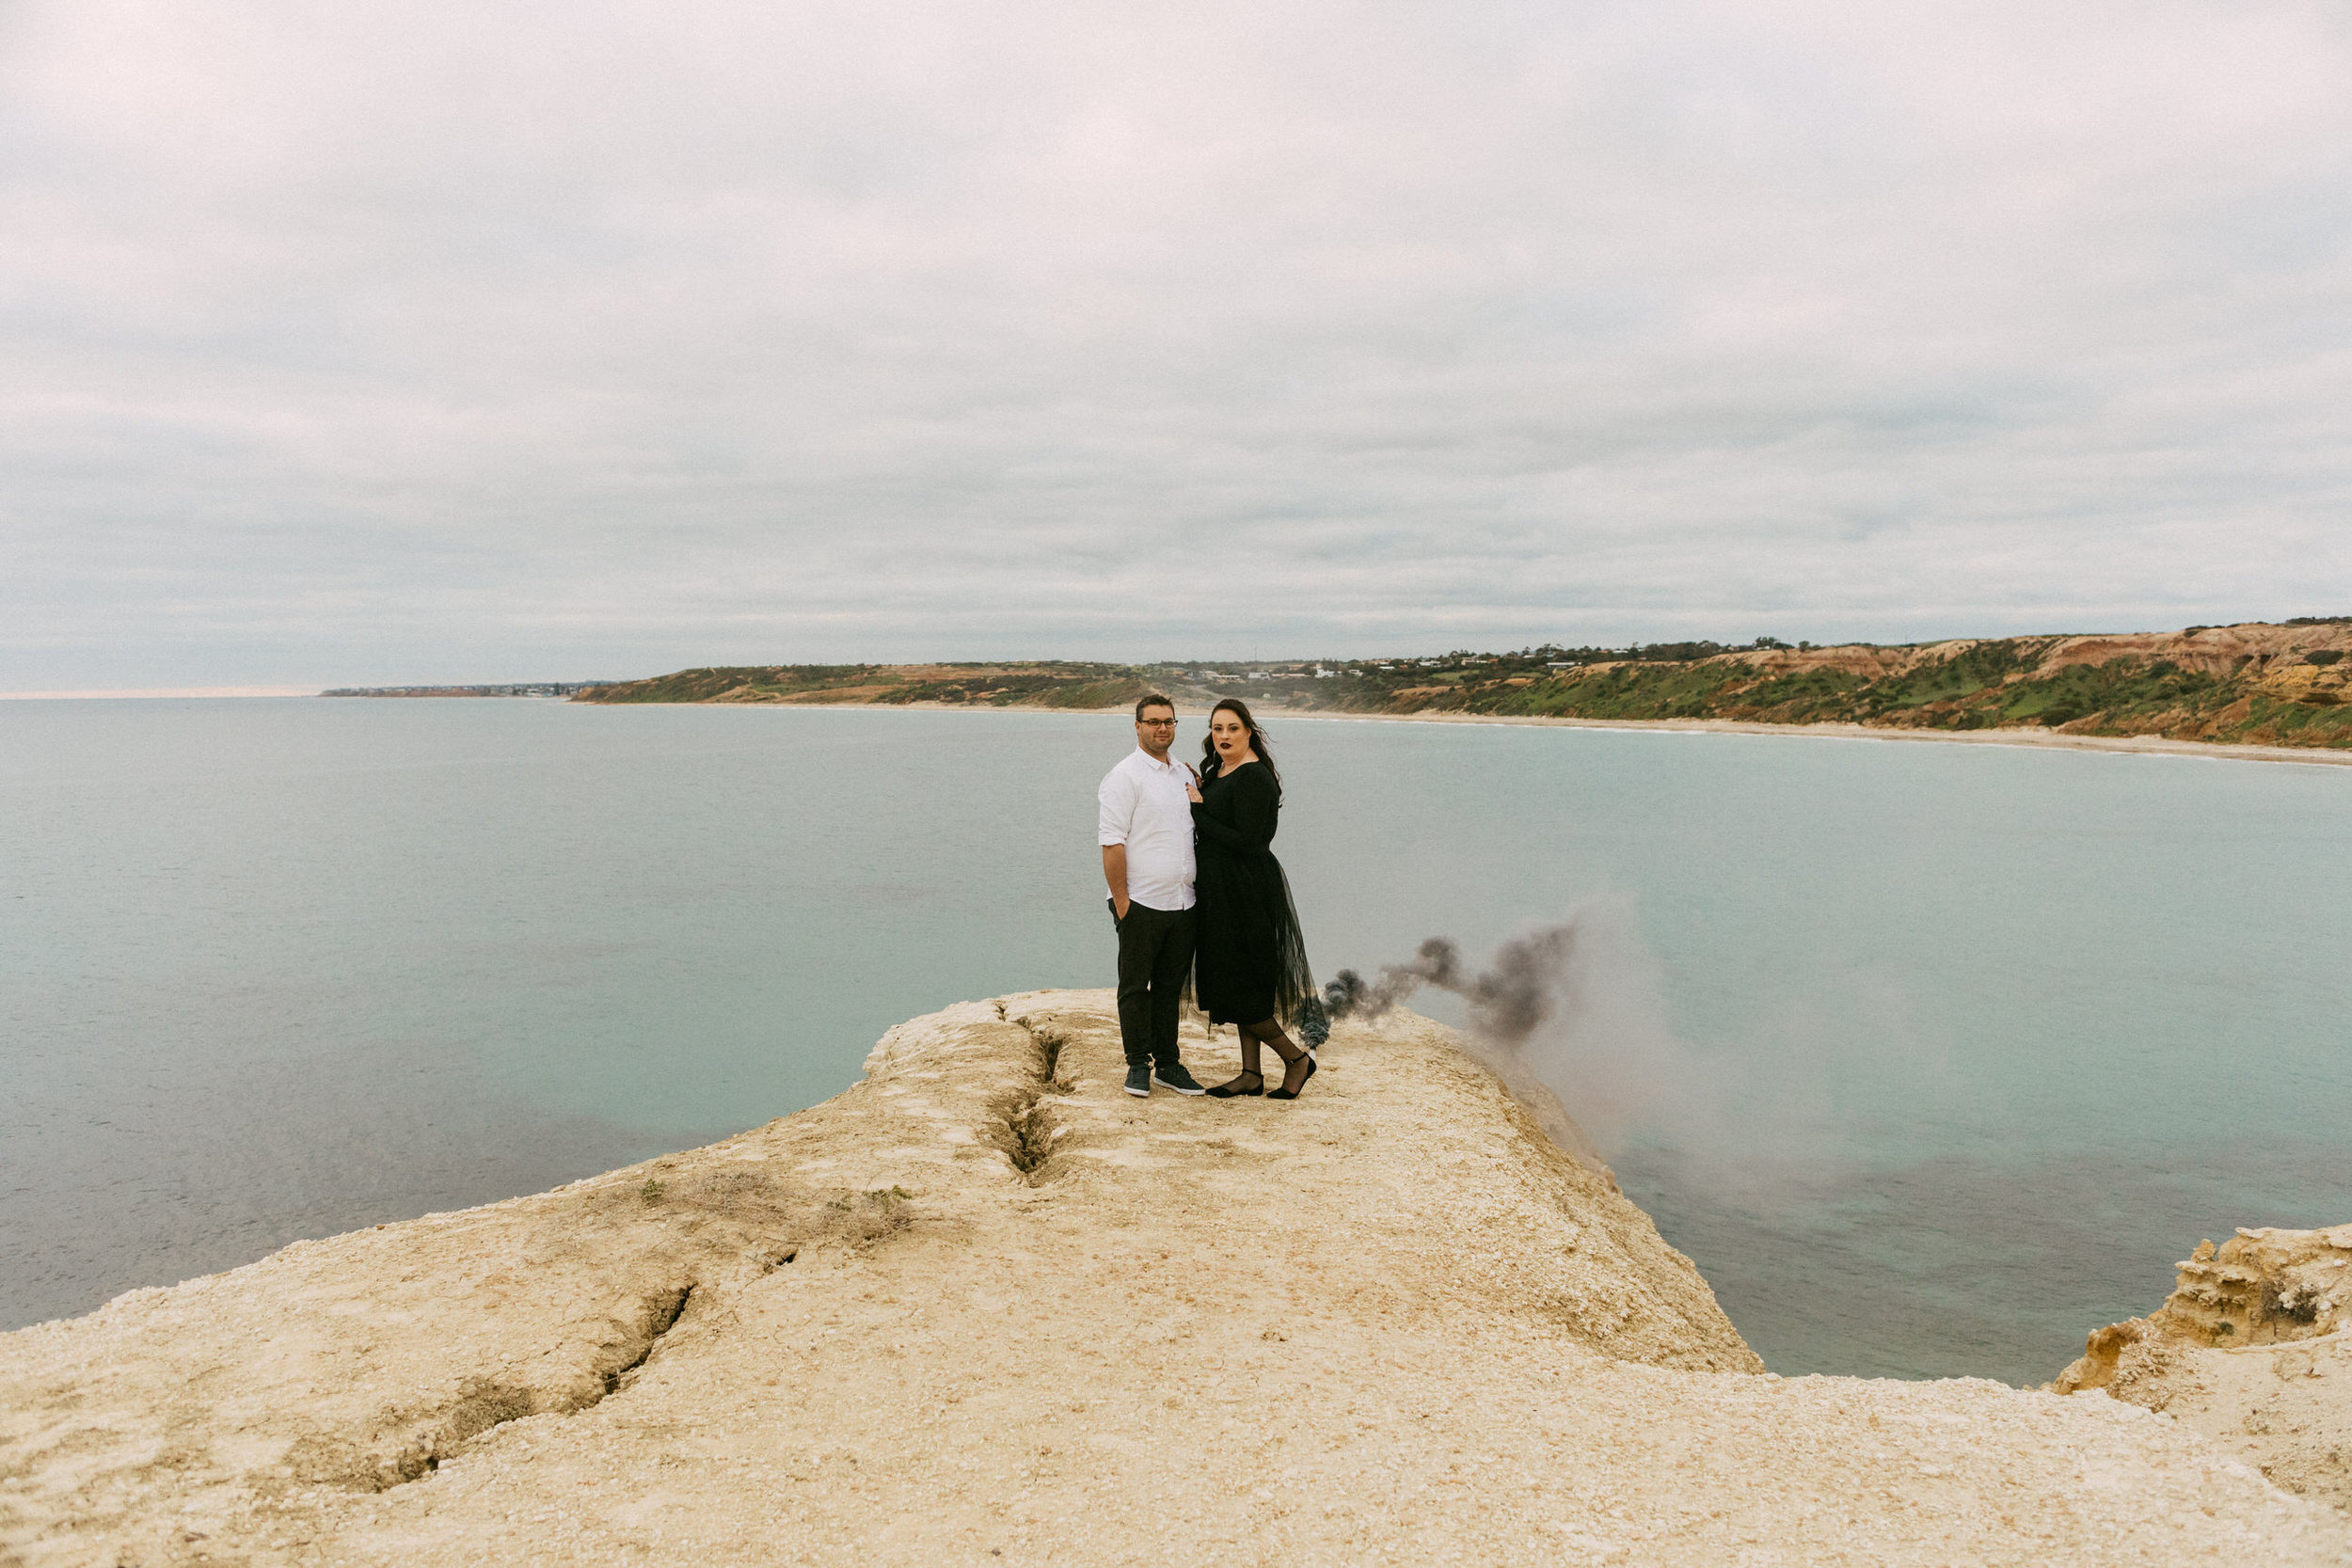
(1140, 1081)
(1173, 1076)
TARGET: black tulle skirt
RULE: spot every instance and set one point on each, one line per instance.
(1250, 961)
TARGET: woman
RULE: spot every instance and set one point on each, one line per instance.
(1249, 965)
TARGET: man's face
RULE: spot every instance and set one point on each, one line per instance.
(1156, 730)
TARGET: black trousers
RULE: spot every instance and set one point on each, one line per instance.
(1154, 955)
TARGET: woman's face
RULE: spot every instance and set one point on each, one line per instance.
(1230, 734)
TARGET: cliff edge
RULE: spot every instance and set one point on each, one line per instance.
(985, 1307)
(2250, 1349)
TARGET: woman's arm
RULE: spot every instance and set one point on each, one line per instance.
(1252, 827)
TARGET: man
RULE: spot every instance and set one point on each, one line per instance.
(1146, 859)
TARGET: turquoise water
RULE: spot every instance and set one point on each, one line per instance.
(1985, 1038)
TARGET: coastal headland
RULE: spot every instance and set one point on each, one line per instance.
(984, 1307)
(2282, 691)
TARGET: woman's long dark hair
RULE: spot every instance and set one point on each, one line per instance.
(1240, 710)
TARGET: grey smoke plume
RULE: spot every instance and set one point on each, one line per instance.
(1573, 1019)
(1508, 1002)
(1523, 1009)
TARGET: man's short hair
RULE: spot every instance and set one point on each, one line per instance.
(1152, 698)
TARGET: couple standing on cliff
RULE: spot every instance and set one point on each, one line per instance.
(1197, 895)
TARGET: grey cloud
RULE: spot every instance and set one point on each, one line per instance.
(441, 341)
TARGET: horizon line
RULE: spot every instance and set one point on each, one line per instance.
(126, 692)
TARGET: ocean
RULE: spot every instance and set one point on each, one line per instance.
(1933, 1057)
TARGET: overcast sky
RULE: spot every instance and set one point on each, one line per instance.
(369, 342)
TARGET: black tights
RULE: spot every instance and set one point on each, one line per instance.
(1270, 1032)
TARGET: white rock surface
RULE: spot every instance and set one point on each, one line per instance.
(1386, 1323)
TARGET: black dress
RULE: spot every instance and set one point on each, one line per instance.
(1249, 962)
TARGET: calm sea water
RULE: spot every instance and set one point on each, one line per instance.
(1989, 1036)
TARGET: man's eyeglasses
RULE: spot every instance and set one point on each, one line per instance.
(1157, 723)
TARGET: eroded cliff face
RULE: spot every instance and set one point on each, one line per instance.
(2250, 1349)
(984, 1307)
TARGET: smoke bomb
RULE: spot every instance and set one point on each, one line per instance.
(1508, 1002)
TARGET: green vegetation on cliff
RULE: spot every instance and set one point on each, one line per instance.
(2257, 682)
(1047, 685)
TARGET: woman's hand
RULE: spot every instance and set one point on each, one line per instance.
(1192, 784)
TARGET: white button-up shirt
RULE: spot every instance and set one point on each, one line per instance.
(1145, 808)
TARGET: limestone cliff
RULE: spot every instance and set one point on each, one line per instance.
(2251, 1350)
(985, 1307)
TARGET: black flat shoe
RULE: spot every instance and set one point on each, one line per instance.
(1230, 1089)
(1293, 1094)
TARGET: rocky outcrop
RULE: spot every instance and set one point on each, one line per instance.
(984, 1306)
(2250, 1349)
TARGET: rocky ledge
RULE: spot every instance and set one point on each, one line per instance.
(985, 1307)
(2249, 1349)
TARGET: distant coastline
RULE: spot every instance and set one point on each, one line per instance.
(2046, 739)
(2031, 738)
(521, 689)
(2277, 691)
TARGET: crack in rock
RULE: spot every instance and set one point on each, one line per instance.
(664, 1317)
(1025, 1128)
(483, 1404)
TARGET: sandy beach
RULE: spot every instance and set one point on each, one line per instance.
(2153, 745)
(2148, 745)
